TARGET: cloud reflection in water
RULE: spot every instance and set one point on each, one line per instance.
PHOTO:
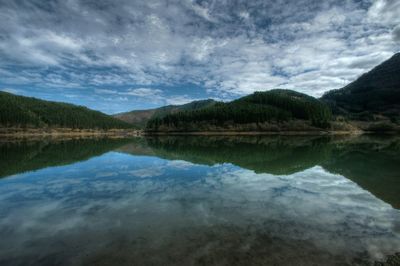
(119, 208)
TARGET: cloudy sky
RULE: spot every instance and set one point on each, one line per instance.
(117, 56)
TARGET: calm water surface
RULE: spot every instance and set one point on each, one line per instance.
(200, 201)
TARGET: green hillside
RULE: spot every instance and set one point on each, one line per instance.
(275, 106)
(376, 92)
(20, 111)
(140, 118)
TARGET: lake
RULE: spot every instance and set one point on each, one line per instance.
(200, 201)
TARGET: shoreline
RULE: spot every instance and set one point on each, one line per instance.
(8, 133)
(252, 133)
(66, 132)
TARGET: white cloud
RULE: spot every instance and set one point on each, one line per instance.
(179, 99)
(106, 91)
(143, 92)
(229, 49)
(385, 11)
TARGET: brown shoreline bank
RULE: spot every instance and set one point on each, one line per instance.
(255, 133)
(9, 133)
(66, 132)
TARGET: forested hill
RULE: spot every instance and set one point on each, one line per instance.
(140, 118)
(275, 107)
(20, 111)
(375, 92)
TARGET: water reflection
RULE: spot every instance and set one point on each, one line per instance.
(19, 156)
(168, 201)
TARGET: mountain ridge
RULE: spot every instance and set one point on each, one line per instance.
(258, 111)
(373, 97)
(139, 118)
(376, 92)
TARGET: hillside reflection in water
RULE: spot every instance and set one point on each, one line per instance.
(200, 201)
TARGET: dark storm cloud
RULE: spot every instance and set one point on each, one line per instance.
(227, 47)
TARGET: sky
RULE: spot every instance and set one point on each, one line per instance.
(116, 55)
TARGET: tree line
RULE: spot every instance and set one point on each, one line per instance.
(20, 111)
(272, 106)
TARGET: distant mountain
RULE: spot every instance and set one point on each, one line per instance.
(375, 92)
(20, 111)
(373, 97)
(258, 111)
(139, 118)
